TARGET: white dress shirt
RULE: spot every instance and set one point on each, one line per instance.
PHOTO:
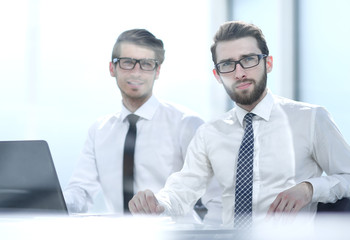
(293, 142)
(163, 134)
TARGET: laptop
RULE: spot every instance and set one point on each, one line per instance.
(28, 179)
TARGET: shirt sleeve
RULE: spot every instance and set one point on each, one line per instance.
(332, 153)
(84, 183)
(184, 188)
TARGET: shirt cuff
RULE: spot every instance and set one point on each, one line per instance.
(320, 193)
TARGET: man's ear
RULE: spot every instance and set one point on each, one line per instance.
(217, 76)
(269, 63)
(158, 72)
(112, 69)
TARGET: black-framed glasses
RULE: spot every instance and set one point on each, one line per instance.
(246, 62)
(129, 63)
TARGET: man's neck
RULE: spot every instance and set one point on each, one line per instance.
(133, 104)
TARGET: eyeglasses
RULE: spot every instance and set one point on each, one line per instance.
(129, 63)
(246, 62)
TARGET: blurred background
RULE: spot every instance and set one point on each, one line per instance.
(54, 57)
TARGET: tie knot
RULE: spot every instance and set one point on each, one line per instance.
(132, 118)
(249, 117)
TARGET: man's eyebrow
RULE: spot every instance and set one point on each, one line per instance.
(226, 60)
(240, 57)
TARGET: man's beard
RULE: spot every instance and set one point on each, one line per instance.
(248, 99)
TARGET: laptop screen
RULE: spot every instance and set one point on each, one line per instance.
(28, 179)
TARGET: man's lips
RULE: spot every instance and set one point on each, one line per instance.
(244, 85)
(134, 83)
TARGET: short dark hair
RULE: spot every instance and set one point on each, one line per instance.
(140, 37)
(235, 30)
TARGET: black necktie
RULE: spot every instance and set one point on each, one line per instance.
(244, 177)
(128, 162)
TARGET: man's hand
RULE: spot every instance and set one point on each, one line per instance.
(144, 202)
(292, 200)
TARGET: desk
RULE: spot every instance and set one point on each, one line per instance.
(327, 227)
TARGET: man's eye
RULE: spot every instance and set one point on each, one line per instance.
(127, 61)
(146, 63)
(228, 64)
(249, 59)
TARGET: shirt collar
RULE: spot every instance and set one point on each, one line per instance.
(262, 109)
(146, 111)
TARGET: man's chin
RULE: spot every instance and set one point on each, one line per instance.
(244, 98)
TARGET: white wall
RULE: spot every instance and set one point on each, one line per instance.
(325, 57)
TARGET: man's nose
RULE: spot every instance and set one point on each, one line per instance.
(240, 72)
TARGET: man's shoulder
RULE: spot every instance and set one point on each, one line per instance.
(178, 110)
(221, 121)
(288, 103)
(300, 111)
(109, 117)
(106, 119)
